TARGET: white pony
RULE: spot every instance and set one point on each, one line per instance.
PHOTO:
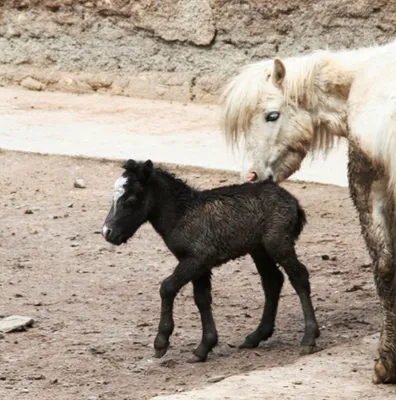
(284, 109)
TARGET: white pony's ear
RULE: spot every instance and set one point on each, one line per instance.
(279, 73)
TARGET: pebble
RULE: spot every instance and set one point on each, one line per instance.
(80, 183)
(97, 350)
(354, 288)
(36, 377)
(215, 379)
(15, 323)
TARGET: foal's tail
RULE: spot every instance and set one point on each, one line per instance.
(301, 220)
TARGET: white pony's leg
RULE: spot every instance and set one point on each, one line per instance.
(369, 192)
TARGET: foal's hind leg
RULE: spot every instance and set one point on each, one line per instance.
(285, 255)
(184, 272)
(271, 281)
(203, 300)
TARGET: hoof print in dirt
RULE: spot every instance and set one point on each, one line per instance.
(15, 323)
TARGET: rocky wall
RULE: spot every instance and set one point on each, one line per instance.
(171, 49)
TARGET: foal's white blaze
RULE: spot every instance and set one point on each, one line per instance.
(119, 190)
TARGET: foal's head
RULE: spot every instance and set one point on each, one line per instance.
(132, 201)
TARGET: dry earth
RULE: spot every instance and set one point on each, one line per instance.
(96, 307)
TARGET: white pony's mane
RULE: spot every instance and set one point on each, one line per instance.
(243, 93)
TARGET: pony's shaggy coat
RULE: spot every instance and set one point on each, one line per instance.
(205, 229)
(322, 97)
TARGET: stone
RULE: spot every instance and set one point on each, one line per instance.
(32, 84)
(15, 323)
(181, 20)
(215, 379)
(80, 183)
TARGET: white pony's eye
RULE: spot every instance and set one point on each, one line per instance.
(272, 116)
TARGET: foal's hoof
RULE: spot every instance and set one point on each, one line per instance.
(381, 375)
(305, 350)
(196, 359)
(160, 353)
(248, 344)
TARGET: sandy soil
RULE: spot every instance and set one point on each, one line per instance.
(96, 307)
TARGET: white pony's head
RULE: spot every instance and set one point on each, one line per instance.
(270, 106)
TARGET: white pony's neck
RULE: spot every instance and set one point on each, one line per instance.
(325, 72)
(352, 60)
(320, 82)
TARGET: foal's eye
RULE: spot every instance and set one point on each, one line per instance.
(131, 199)
(272, 116)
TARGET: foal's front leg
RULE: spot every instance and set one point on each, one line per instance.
(184, 272)
(271, 281)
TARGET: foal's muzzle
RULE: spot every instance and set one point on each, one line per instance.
(106, 232)
(113, 237)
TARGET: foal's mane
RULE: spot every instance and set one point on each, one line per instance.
(243, 93)
(171, 176)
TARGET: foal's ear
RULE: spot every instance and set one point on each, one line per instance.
(279, 72)
(130, 165)
(146, 171)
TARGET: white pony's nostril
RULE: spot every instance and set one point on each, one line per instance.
(252, 176)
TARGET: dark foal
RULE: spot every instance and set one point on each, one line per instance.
(204, 229)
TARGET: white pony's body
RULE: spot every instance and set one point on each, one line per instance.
(287, 108)
(374, 93)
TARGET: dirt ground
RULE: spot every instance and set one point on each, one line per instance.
(96, 307)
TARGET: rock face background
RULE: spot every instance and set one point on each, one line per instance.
(172, 49)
